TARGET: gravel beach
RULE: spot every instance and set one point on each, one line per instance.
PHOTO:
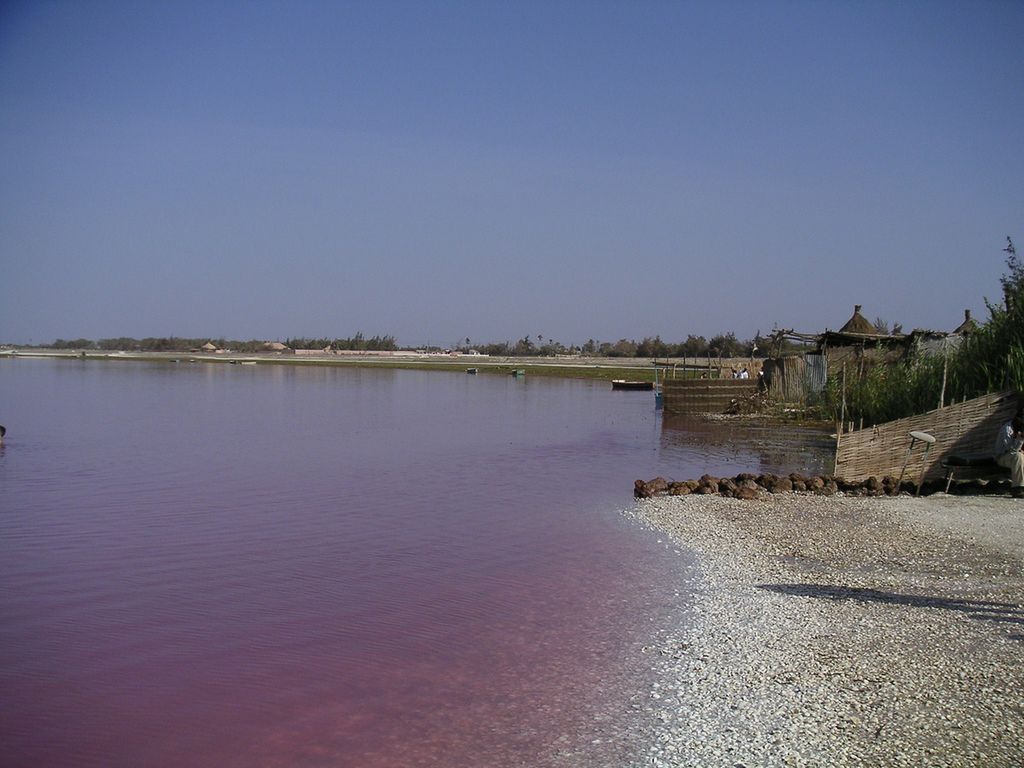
(844, 631)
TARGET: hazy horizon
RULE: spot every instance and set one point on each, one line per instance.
(402, 344)
(436, 171)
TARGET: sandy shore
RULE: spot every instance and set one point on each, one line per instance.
(845, 631)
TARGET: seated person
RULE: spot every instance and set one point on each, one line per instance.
(1010, 451)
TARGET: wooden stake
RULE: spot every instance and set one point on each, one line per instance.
(945, 369)
(842, 407)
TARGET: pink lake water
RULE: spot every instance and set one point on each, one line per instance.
(214, 565)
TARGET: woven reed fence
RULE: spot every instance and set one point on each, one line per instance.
(705, 395)
(794, 379)
(967, 427)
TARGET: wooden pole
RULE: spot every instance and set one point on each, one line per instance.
(945, 370)
(842, 417)
(835, 464)
(842, 407)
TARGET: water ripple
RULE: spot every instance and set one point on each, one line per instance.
(217, 566)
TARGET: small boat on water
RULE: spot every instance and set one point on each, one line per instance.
(471, 371)
(635, 385)
(519, 372)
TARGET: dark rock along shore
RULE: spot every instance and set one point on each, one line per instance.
(748, 486)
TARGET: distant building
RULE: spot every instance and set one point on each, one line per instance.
(855, 347)
(858, 324)
(277, 346)
(857, 344)
(313, 352)
(967, 326)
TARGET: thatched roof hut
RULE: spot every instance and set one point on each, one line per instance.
(861, 342)
(967, 326)
(858, 324)
(209, 347)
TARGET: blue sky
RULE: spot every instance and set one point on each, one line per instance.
(441, 170)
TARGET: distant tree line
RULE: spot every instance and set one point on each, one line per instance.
(149, 344)
(721, 345)
(180, 344)
(357, 343)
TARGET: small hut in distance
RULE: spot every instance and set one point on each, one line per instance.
(278, 347)
(859, 324)
(859, 339)
(855, 346)
(967, 326)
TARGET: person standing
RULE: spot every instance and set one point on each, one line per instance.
(1010, 452)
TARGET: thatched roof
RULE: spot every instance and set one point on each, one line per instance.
(208, 346)
(858, 324)
(968, 325)
(275, 346)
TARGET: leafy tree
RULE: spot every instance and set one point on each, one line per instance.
(551, 348)
(122, 342)
(992, 357)
(649, 347)
(622, 348)
(727, 345)
(694, 346)
(73, 344)
(524, 348)
(1014, 277)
